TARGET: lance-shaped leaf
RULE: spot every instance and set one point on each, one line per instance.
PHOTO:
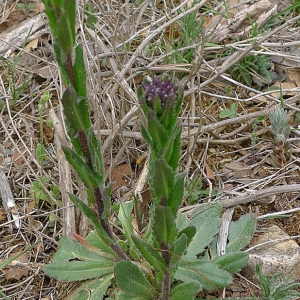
(94, 239)
(76, 110)
(66, 26)
(150, 254)
(157, 132)
(169, 118)
(74, 262)
(189, 231)
(132, 281)
(79, 72)
(86, 174)
(208, 274)
(164, 227)
(125, 216)
(175, 199)
(179, 98)
(146, 136)
(94, 289)
(186, 291)
(171, 153)
(241, 232)
(206, 219)
(177, 251)
(95, 222)
(94, 146)
(163, 180)
(232, 262)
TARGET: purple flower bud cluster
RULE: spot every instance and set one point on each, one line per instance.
(165, 90)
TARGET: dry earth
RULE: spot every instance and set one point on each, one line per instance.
(124, 42)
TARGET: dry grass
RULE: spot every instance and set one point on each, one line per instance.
(130, 41)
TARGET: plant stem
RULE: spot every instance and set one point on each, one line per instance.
(100, 198)
(100, 208)
(166, 283)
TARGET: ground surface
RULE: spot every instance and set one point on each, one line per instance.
(126, 41)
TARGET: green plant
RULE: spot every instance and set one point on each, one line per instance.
(15, 87)
(278, 287)
(253, 68)
(183, 34)
(230, 112)
(194, 191)
(26, 7)
(280, 129)
(168, 258)
(37, 190)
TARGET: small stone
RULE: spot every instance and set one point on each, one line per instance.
(273, 256)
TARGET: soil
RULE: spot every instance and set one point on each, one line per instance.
(226, 140)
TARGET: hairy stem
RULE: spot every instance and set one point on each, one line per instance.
(100, 199)
(166, 283)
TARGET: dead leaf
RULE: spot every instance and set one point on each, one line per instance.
(31, 45)
(47, 72)
(237, 170)
(17, 268)
(120, 175)
(210, 174)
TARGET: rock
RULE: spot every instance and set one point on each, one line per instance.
(275, 254)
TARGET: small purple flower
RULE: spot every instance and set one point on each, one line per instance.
(165, 90)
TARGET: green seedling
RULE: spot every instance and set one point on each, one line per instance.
(187, 31)
(253, 69)
(26, 7)
(230, 112)
(15, 87)
(277, 287)
(194, 191)
(280, 129)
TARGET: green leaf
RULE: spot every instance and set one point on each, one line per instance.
(120, 295)
(163, 180)
(94, 146)
(164, 227)
(95, 222)
(241, 232)
(131, 280)
(171, 153)
(40, 152)
(182, 221)
(232, 262)
(94, 240)
(208, 274)
(169, 117)
(206, 219)
(85, 173)
(189, 231)
(126, 217)
(156, 131)
(73, 262)
(76, 110)
(66, 25)
(177, 251)
(226, 113)
(79, 72)
(94, 289)
(146, 136)
(175, 199)
(186, 291)
(150, 254)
